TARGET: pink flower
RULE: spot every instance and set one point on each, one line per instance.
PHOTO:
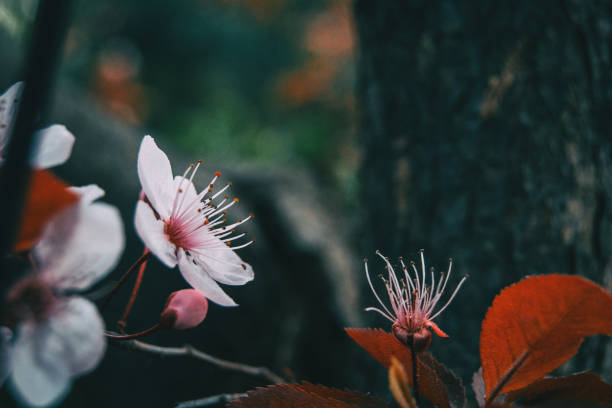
(413, 301)
(181, 226)
(54, 143)
(59, 336)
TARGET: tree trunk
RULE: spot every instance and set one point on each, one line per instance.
(486, 133)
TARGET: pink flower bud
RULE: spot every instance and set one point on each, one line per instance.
(185, 309)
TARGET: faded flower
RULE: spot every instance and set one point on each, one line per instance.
(413, 301)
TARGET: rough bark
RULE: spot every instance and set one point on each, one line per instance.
(485, 132)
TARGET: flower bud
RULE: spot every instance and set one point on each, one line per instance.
(185, 309)
(420, 340)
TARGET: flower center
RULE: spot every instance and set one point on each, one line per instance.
(30, 298)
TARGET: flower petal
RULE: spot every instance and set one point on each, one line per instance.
(151, 231)
(199, 279)
(48, 353)
(225, 266)
(8, 104)
(88, 193)
(155, 176)
(80, 246)
(54, 145)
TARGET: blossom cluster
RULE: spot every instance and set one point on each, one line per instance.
(52, 333)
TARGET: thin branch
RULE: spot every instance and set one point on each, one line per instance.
(126, 275)
(506, 377)
(190, 351)
(215, 399)
(121, 323)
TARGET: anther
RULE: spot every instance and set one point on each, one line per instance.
(365, 260)
(217, 174)
(251, 215)
(225, 197)
(199, 161)
(180, 190)
(243, 266)
(229, 183)
(421, 251)
(236, 199)
(192, 165)
(228, 243)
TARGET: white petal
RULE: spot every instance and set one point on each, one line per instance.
(8, 105)
(155, 176)
(48, 353)
(151, 231)
(6, 352)
(225, 266)
(54, 145)
(88, 193)
(80, 246)
(199, 279)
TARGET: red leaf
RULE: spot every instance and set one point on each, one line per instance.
(305, 395)
(583, 387)
(46, 197)
(546, 317)
(382, 345)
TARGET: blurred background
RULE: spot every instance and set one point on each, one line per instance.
(478, 131)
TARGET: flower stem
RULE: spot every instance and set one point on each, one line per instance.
(143, 258)
(121, 323)
(133, 336)
(415, 382)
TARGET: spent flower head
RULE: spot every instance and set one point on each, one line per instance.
(413, 301)
(184, 227)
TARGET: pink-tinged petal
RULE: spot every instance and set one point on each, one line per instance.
(225, 266)
(155, 176)
(54, 145)
(80, 246)
(199, 279)
(47, 354)
(185, 309)
(88, 194)
(151, 231)
(6, 353)
(8, 105)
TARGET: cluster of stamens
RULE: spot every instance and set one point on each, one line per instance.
(187, 219)
(413, 300)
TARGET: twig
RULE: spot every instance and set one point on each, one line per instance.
(44, 53)
(415, 373)
(215, 399)
(121, 323)
(124, 337)
(190, 351)
(126, 275)
(506, 377)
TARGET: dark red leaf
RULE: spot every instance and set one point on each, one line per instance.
(47, 196)
(583, 387)
(546, 317)
(305, 395)
(382, 345)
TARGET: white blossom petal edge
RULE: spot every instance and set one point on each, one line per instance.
(181, 226)
(53, 143)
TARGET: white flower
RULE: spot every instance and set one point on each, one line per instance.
(60, 336)
(182, 227)
(53, 143)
